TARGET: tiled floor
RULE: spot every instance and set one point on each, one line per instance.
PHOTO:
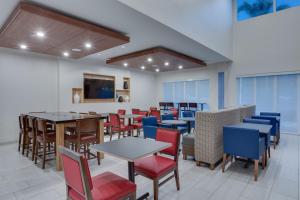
(21, 179)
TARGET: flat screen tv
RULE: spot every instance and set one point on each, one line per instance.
(99, 88)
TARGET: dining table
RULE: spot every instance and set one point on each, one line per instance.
(189, 121)
(131, 149)
(130, 117)
(173, 122)
(64, 119)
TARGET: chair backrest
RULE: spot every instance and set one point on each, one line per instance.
(135, 111)
(41, 127)
(171, 136)
(271, 119)
(241, 142)
(183, 106)
(77, 173)
(22, 122)
(175, 112)
(187, 114)
(156, 113)
(121, 112)
(193, 106)
(257, 121)
(270, 114)
(153, 108)
(149, 121)
(144, 113)
(167, 117)
(114, 120)
(87, 127)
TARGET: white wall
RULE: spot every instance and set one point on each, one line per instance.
(71, 76)
(208, 22)
(27, 83)
(265, 45)
(34, 82)
(210, 72)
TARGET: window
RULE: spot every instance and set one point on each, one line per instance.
(187, 91)
(280, 93)
(285, 4)
(247, 9)
(221, 90)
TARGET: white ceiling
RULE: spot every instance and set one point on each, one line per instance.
(144, 32)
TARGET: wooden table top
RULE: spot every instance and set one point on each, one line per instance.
(130, 148)
(63, 117)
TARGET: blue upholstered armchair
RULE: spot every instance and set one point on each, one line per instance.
(245, 143)
(149, 127)
(274, 131)
(267, 137)
(273, 114)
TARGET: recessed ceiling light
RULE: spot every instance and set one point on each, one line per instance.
(99, 54)
(66, 54)
(88, 45)
(40, 34)
(125, 64)
(180, 67)
(122, 46)
(166, 63)
(143, 67)
(149, 59)
(23, 46)
(76, 50)
(157, 70)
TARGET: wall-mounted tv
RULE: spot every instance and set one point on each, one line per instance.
(98, 88)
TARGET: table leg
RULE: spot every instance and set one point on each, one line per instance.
(189, 126)
(60, 141)
(131, 177)
(100, 136)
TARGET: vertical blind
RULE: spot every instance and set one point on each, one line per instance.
(278, 93)
(187, 91)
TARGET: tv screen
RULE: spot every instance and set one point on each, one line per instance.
(99, 89)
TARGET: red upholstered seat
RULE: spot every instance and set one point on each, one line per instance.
(107, 124)
(137, 125)
(122, 128)
(154, 166)
(107, 186)
(81, 186)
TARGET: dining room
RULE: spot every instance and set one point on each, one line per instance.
(111, 100)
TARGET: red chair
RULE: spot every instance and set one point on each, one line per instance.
(156, 113)
(118, 127)
(121, 112)
(81, 186)
(153, 108)
(135, 111)
(156, 167)
(175, 112)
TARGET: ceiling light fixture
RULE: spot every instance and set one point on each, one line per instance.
(23, 46)
(40, 34)
(180, 67)
(157, 70)
(88, 45)
(149, 59)
(143, 67)
(76, 50)
(125, 64)
(66, 54)
(166, 63)
(122, 46)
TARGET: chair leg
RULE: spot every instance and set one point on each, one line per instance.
(20, 138)
(263, 162)
(184, 156)
(224, 162)
(269, 152)
(24, 143)
(110, 135)
(133, 196)
(44, 155)
(176, 174)
(266, 157)
(274, 142)
(33, 148)
(256, 169)
(155, 189)
(36, 152)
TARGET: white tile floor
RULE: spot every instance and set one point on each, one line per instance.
(21, 179)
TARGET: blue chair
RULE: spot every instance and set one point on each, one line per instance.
(267, 137)
(273, 114)
(274, 130)
(149, 127)
(189, 114)
(245, 143)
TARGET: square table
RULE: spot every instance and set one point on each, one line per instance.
(61, 119)
(131, 149)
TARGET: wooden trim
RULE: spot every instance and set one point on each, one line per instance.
(98, 76)
(72, 20)
(153, 51)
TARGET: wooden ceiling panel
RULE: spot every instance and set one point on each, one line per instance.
(62, 33)
(159, 56)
